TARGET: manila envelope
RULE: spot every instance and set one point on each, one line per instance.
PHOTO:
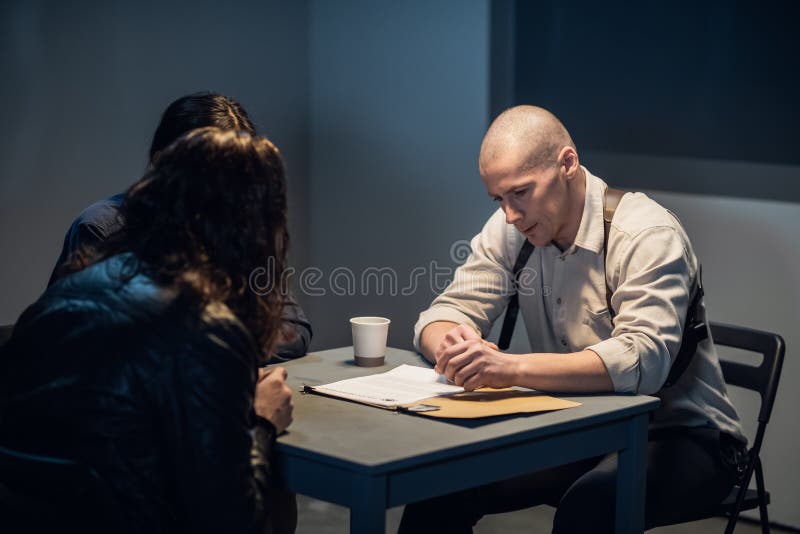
(487, 402)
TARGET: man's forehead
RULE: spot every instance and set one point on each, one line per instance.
(506, 158)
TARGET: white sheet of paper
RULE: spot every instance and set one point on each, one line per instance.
(401, 385)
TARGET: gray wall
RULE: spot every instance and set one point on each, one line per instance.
(399, 101)
(84, 85)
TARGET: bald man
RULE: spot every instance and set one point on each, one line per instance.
(530, 167)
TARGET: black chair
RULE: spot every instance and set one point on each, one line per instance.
(764, 379)
(45, 494)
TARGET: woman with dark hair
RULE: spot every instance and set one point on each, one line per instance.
(198, 110)
(143, 363)
(103, 219)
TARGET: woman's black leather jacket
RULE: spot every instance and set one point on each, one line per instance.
(113, 371)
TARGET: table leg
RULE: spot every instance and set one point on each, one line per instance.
(631, 478)
(368, 513)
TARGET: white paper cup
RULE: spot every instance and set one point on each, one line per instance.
(369, 340)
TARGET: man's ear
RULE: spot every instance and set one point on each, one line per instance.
(568, 160)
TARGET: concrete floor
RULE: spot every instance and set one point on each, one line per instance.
(317, 517)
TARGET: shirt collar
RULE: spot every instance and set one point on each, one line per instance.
(591, 232)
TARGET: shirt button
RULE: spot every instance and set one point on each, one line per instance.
(564, 342)
(558, 300)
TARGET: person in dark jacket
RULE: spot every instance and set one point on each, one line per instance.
(143, 364)
(102, 219)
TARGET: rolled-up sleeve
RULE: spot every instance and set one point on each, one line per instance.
(652, 279)
(481, 286)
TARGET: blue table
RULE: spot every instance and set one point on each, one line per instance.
(369, 459)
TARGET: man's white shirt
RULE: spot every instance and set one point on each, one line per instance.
(562, 301)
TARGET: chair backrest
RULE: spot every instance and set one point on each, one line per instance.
(72, 494)
(763, 378)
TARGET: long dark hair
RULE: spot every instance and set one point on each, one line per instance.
(211, 208)
(199, 110)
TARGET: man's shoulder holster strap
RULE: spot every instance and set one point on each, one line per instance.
(694, 329)
(513, 304)
(610, 203)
